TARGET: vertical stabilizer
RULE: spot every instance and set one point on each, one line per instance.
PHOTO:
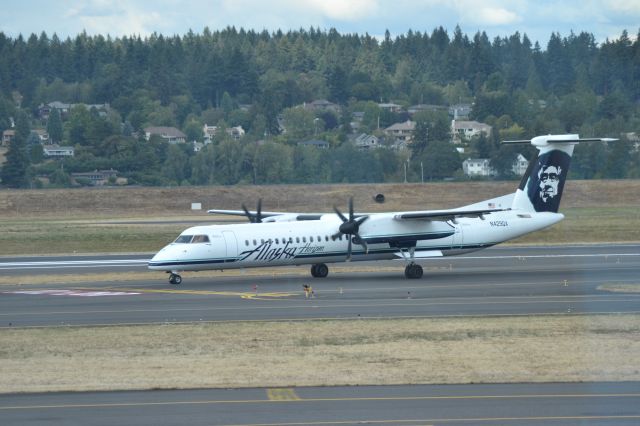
(541, 187)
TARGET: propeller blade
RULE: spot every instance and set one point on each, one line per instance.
(361, 220)
(349, 250)
(259, 211)
(350, 208)
(336, 235)
(248, 213)
(339, 213)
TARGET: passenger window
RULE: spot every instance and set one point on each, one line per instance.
(304, 239)
(291, 239)
(261, 240)
(311, 239)
(297, 239)
(277, 241)
(254, 243)
(246, 243)
(326, 238)
(319, 239)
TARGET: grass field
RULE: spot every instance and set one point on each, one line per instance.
(316, 353)
(113, 220)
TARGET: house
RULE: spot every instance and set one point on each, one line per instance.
(520, 165)
(236, 133)
(209, 132)
(43, 136)
(197, 146)
(401, 132)
(316, 143)
(390, 107)
(45, 110)
(478, 167)
(169, 134)
(7, 137)
(460, 111)
(98, 177)
(468, 129)
(55, 151)
(482, 166)
(365, 141)
(425, 107)
(322, 105)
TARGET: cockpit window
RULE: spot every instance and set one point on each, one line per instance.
(193, 239)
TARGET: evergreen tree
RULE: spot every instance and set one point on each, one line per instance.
(54, 126)
(14, 171)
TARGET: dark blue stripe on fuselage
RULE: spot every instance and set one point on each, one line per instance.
(177, 263)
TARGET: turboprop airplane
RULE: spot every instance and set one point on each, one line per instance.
(279, 238)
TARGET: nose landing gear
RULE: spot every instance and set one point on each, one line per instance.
(175, 279)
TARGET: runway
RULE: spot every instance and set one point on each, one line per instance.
(499, 281)
(491, 404)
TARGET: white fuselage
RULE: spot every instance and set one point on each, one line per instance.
(309, 242)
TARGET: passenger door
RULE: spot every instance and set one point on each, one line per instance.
(231, 243)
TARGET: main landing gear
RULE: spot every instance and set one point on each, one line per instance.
(175, 279)
(319, 270)
(413, 271)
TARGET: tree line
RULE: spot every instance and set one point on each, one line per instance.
(255, 79)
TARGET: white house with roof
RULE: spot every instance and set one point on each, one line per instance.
(520, 165)
(482, 166)
(55, 151)
(169, 134)
(461, 129)
(365, 141)
(478, 167)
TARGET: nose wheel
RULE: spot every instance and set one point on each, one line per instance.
(175, 279)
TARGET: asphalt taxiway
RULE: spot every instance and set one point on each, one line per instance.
(490, 404)
(499, 281)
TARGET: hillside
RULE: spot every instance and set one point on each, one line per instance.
(134, 202)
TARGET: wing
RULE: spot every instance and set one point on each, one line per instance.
(443, 215)
(271, 216)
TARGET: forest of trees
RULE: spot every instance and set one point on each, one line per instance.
(256, 79)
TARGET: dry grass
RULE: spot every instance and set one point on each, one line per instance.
(142, 202)
(350, 352)
(620, 288)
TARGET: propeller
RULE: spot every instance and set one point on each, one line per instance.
(254, 217)
(350, 227)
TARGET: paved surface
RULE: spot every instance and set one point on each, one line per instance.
(499, 404)
(499, 281)
(504, 280)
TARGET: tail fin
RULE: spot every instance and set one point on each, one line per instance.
(542, 184)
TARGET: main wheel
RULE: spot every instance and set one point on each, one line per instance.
(319, 270)
(413, 271)
(175, 279)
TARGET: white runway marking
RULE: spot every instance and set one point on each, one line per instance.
(80, 293)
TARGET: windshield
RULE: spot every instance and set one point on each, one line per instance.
(193, 239)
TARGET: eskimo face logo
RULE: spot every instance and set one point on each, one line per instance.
(549, 179)
(546, 181)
